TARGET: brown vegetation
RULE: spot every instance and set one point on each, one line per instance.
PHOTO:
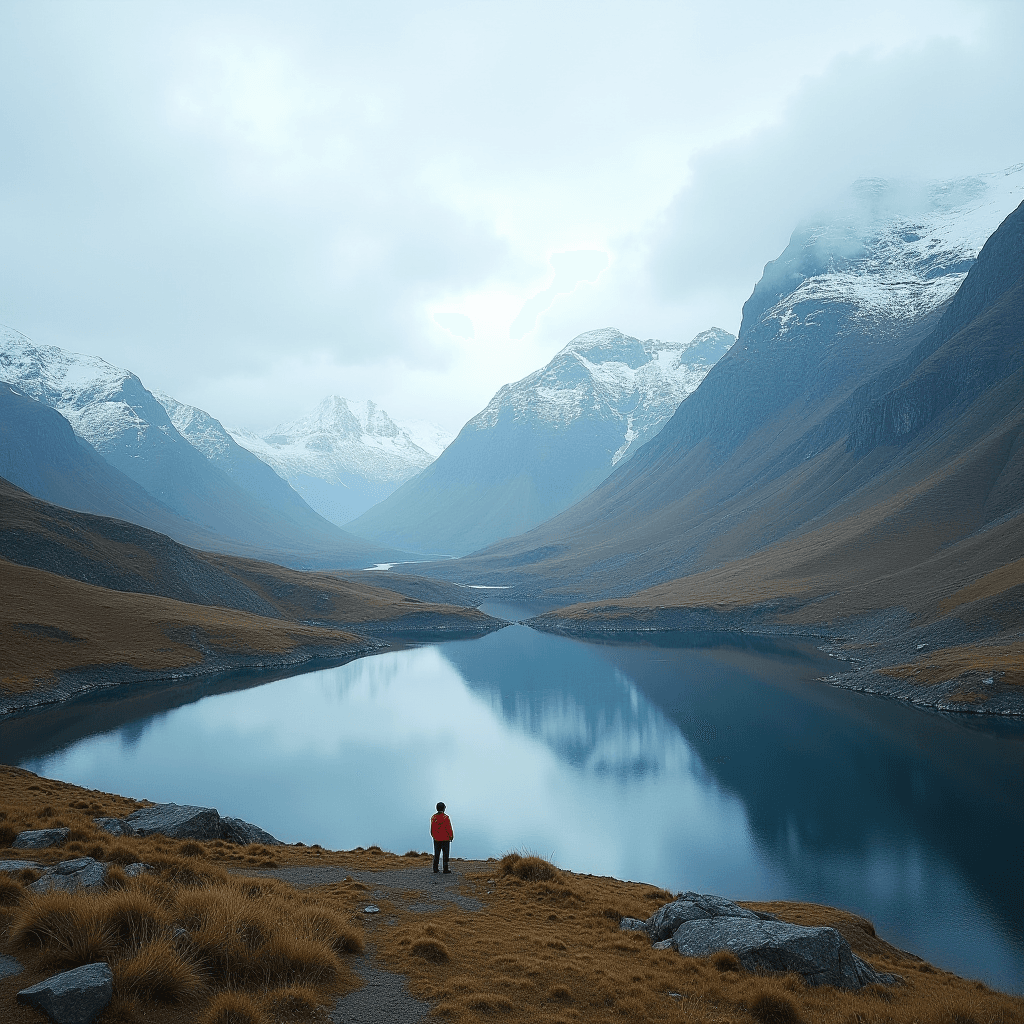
(201, 940)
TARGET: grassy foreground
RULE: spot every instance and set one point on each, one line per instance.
(200, 939)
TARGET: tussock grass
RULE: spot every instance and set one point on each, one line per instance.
(234, 1008)
(770, 1007)
(528, 867)
(193, 942)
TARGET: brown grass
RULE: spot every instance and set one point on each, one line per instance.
(544, 948)
(1003, 663)
(50, 624)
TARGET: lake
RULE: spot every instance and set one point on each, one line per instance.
(717, 763)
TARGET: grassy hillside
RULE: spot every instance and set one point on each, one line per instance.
(89, 601)
(208, 936)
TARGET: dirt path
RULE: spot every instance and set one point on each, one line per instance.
(384, 998)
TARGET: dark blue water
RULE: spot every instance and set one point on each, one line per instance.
(714, 763)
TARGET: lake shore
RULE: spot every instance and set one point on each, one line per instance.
(944, 674)
(482, 940)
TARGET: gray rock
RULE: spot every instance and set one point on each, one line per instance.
(664, 944)
(14, 866)
(80, 873)
(234, 830)
(821, 956)
(74, 997)
(9, 966)
(39, 839)
(115, 826)
(632, 924)
(692, 906)
(138, 868)
(177, 821)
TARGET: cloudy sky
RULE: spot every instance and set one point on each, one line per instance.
(255, 205)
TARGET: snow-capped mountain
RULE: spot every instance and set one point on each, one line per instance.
(214, 483)
(345, 456)
(639, 382)
(818, 405)
(894, 253)
(545, 441)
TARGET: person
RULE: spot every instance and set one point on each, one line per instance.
(442, 834)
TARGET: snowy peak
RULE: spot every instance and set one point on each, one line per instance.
(891, 254)
(607, 373)
(101, 401)
(345, 456)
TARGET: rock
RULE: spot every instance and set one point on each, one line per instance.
(821, 956)
(80, 873)
(177, 821)
(234, 830)
(14, 866)
(692, 906)
(136, 869)
(698, 924)
(180, 821)
(115, 826)
(74, 997)
(9, 966)
(39, 839)
(632, 924)
(371, 909)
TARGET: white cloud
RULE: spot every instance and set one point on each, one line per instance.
(255, 206)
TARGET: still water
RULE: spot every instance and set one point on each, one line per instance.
(709, 762)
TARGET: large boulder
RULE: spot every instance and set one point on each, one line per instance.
(177, 821)
(698, 924)
(73, 997)
(80, 873)
(180, 821)
(40, 838)
(821, 956)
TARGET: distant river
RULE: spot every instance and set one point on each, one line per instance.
(707, 762)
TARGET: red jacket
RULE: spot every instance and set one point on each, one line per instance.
(441, 827)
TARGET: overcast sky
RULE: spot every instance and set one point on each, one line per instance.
(252, 206)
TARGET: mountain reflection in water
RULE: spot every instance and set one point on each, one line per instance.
(693, 762)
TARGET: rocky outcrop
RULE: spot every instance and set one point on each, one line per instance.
(73, 997)
(182, 821)
(699, 925)
(39, 839)
(80, 873)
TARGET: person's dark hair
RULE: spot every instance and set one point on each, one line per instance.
(440, 807)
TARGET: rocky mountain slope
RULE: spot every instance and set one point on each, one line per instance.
(229, 501)
(544, 442)
(345, 456)
(837, 463)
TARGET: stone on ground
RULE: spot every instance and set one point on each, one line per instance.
(115, 826)
(700, 925)
(80, 873)
(40, 838)
(176, 821)
(73, 997)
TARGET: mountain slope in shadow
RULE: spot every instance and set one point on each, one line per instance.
(844, 493)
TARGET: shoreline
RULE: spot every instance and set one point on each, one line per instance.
(957, 695)
(379, 638)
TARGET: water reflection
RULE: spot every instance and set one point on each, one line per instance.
(701, 762)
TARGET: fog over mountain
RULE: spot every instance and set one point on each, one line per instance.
(776, 440)
(544, 442)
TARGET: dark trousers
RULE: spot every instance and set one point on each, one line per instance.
(441, 846)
